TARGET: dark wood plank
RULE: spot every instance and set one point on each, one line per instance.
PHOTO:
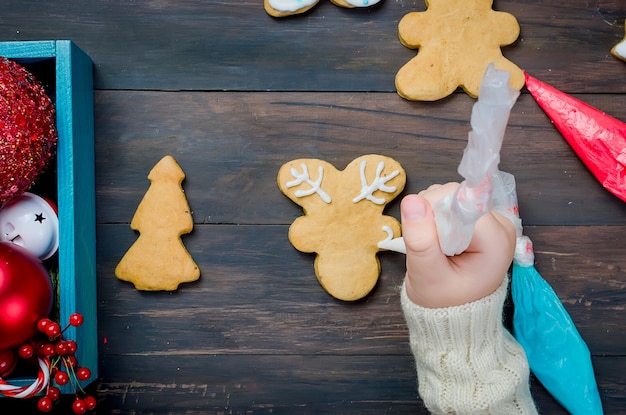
(300, 351)
(285, 385)
(258, 295)
(236, 46)
(232, 145)
(360, 385)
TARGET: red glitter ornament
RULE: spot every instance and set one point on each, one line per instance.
(28, 133)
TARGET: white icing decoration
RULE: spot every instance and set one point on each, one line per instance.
(392, 244)
(304, 177)
(291, 5)
(367, 190)
(362, 3)
(620, 49)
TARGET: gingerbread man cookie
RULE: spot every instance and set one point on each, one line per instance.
(282, 8)
(456, 39)
(343, 221)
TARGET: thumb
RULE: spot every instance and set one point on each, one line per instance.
(419, 231)
(418, 224)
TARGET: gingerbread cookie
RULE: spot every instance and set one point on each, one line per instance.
(158, 260)
(456, 39)
(351, 4)
(619, 50)
(343, 221)
(282, 8)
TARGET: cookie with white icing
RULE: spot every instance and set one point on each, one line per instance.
(282, 8)
(619, 50)
(351, 4)
(343, 218)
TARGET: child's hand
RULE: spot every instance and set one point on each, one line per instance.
(435, 280)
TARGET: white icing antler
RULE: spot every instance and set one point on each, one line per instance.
(304, 177)
(367, 190)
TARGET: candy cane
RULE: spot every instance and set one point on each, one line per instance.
(20, 392)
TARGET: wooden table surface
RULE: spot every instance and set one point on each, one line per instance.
(232, 94)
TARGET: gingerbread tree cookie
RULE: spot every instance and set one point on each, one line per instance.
(158, 260)
(456, 39)
(343, 220)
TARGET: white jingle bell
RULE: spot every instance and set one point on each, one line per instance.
(31, 222)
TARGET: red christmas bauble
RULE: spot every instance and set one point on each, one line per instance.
(28, 132)
(8, 361)
(25, 295)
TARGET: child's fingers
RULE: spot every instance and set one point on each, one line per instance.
(424, 256)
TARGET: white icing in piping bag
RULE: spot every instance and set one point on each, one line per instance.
(484, 187)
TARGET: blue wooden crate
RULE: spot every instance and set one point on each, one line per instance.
(71, 72)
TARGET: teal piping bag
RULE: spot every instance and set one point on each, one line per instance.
(557, 354)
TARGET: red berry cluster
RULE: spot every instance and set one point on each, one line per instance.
(63, 364)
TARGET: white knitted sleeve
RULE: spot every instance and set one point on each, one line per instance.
(467, 362)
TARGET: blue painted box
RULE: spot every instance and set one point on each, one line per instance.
(70, 71)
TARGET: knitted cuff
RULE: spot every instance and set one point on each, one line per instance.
(458, 325)
(467, 362)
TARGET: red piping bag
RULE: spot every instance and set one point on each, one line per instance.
(598, 139)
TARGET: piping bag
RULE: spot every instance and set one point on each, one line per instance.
(556, 353)
(484, 187)
(598, 139)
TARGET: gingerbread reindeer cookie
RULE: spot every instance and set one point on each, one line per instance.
(456, 39)
(343, 221)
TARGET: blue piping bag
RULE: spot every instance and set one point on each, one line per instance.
(556, 352)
